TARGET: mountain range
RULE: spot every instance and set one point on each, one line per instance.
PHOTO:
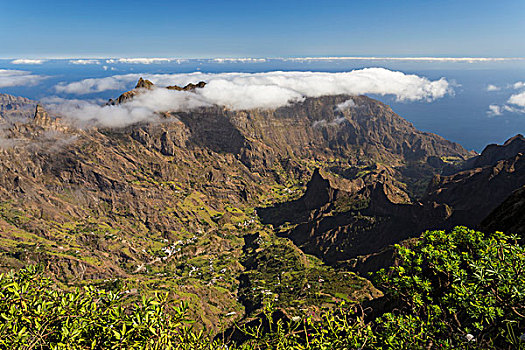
(223, 208)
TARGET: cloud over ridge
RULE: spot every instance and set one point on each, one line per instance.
(243, 91)
(381, 81)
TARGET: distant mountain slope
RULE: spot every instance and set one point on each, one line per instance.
(474, 193)
(494, 153)
(146, 179)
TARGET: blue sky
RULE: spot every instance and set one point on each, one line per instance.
(266, 28)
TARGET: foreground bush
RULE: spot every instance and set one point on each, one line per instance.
(454, 288)
(34, 315)
(448, 290)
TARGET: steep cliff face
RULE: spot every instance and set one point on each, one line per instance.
(318, 129)
(488, 179)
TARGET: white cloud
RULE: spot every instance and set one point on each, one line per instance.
(346, 105)
(241, 91)
(145, 60)
(323, 122)
(491, 87)
(84, 62)
(88, 86)
(495, 110)
(11, 77)
(517, 99)
(515, 104)
(27, 61)
(519, 85)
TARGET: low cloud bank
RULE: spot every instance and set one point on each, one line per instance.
(143, 107)
(346, 105)
(84, 62)
(89, 86)
(228, 88)
(145, 60)
(241, 91)
(239, 60)
(13, 77)
(27, 61)
(423, 59)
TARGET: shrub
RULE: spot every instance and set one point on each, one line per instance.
(453, 289)
(34, 314)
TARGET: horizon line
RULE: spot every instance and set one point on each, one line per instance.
(260, 58)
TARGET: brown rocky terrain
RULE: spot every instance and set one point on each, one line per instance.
(338, 221)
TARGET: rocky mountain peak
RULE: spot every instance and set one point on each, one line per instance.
(144, 84)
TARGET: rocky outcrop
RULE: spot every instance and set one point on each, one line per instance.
(41, 117)
(144, 85)
(338, 223)
(14, 108)
(189, 87)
